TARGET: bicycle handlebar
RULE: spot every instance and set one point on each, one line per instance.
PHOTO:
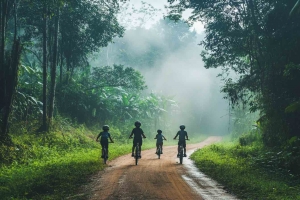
(178, 139)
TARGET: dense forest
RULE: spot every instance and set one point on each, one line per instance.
(78, 62)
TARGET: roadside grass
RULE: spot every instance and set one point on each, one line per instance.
(237, 168)
(54, 165)
(57, 175)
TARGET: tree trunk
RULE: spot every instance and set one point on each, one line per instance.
(11, 85)
(4, 5)
(45, 126)
(53, 69)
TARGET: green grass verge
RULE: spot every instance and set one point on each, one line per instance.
(233, 166)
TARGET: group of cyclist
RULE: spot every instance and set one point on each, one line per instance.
(138, 134)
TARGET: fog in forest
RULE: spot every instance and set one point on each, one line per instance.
(175, 70)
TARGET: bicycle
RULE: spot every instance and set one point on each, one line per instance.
(137, 153)
(104, 154)
(159, 150)
(181, 153)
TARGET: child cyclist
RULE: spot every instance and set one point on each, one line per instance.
(182, 137)
(159, 140)
(104, 139)
(138, 134)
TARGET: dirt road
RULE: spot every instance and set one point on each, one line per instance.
(153, 178)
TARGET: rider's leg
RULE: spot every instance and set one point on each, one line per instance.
(106, 150)
(140, 149)
(102, 150)
(132, 154)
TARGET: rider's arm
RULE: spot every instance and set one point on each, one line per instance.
(98, 136)
(111, 139)
(176, 135)
(143, 133)
(131, 134)
(186, 135)
(164, 138)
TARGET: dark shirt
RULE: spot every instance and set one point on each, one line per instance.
(104, 135)
(138, 133)
(182, 135)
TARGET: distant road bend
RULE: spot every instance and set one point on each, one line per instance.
(155, 178)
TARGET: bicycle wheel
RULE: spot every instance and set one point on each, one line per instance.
(181, 155)
(136, 154)
(159, 152)
(104, 155)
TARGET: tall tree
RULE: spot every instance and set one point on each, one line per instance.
(9, 66)
(54, 63)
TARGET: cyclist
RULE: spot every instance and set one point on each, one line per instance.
(182, 136)
(138, 134)
(159, 140)
(104, 138)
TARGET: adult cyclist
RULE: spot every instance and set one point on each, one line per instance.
(182, 137)
(138, 135)
(104, 138)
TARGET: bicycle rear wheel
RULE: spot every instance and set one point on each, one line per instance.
(181, 155)
(159, 152)
(104, 155)
(136, 154)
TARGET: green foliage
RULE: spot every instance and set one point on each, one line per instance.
(242, 170)
(259, 44)
(117, 76)
(249, 138)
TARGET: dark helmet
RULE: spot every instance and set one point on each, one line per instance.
(105, 127)
(137, 124)
(182, 127)
(159, 131)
